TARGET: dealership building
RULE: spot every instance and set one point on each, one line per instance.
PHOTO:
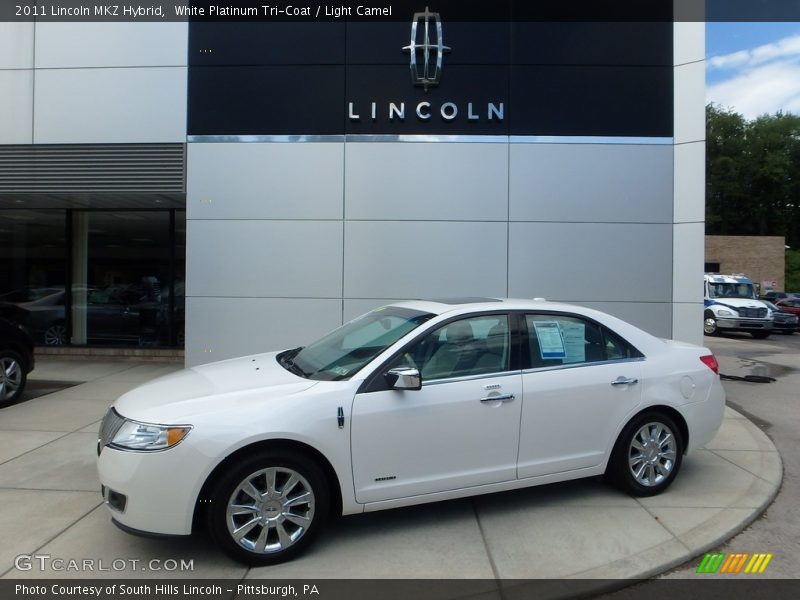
(244, 186)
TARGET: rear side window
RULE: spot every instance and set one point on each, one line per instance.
(555, 340)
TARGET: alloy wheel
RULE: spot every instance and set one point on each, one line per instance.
(270, 510)
(55, 335)
(11, 377)
(652, 454)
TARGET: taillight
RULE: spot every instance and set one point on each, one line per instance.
(710, 362)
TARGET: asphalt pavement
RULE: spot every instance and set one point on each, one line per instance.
(581, 529)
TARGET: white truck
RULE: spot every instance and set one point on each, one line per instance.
(731, 304)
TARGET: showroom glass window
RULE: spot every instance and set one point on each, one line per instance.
(32, 266)
(95, 277)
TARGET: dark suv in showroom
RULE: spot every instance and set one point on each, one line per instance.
(16, 360)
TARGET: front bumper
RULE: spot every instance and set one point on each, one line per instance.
(784, 326)
(740, 324)
(160, 488)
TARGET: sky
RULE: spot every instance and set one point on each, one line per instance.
(753, 68)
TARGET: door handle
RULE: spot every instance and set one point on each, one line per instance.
(625, 381)
(503, 398)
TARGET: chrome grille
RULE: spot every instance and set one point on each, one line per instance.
(752, 313)
(109, 428)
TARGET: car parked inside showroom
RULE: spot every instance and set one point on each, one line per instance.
(783, 321)
(413, 402)
(16, 360)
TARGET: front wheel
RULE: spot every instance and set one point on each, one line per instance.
(710, 324)
(647, 455)
(12, 377)
(55, 335)
(269, 508)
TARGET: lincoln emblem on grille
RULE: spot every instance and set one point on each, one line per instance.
(426, 51)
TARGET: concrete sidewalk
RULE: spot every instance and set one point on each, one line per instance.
(51, 506)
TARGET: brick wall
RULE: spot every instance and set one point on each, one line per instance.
(761, 258)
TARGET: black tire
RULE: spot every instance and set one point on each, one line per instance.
(710, 324)
(760, 335)
(13, 377)
(271, 527)
(626, 458)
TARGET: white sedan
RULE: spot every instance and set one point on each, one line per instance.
(413, 402)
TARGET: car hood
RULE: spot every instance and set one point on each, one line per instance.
(739, 303)
(209, 388)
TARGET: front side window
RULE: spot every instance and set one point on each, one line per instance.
(467, 347)
(346, 350)
(555, 340)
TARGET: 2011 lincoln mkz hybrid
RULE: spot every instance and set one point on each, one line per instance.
(414, 402)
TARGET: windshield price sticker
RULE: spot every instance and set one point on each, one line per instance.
(551, 342)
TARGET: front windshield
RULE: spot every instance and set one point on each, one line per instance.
(346, 350)
(731, 290)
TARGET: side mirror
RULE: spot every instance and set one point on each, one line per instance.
(404, 378)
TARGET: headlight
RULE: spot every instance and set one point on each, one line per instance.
(143, 437)
(725, 313)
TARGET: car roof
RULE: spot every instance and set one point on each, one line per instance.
(445, 308)
(439, 306)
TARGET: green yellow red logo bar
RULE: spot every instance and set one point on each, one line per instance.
(734, 563)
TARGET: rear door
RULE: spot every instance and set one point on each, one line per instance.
(580, 383)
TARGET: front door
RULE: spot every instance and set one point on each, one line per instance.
(460, 430)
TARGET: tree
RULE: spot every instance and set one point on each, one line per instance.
(753, 174)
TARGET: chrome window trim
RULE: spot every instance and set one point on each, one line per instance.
(584, 364)
(433, 382)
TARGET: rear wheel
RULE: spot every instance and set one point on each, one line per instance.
(268, 509)
(647, 455)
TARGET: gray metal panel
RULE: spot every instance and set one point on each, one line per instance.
(110, 105)
(578, 262)
(16, 106)
(392, 259)
(265, 181)
(219, 328)
(264, 259)
(591, 183)
(16, 45)
(654, 317)
(125, 44)
(92, 168)
(408, 182)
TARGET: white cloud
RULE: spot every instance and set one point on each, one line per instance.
(757, 81)
(785, 48)
(758, 90)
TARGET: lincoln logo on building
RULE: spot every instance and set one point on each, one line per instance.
(426, 58)
(431, 72)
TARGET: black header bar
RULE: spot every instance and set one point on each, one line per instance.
(399, 10)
